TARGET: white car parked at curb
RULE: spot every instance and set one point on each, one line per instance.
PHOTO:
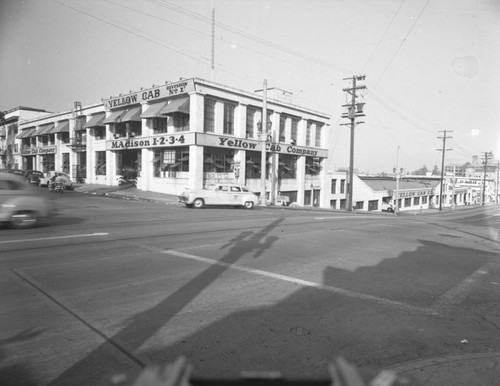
(220, 194)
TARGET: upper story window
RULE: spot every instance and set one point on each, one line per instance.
(308, 134)
(181, 122)
(159, 125)
(295, 125)
(250, 122)
(319, 129)
(282, 128)
(209, 115)
(229, 109)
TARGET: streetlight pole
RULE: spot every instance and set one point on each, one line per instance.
(396, 171)
(263, 139)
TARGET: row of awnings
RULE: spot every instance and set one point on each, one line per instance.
(131, 114)
(51, 128)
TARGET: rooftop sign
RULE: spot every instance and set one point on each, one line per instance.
(159, 92)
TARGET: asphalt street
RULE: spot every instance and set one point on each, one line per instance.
(110, 286)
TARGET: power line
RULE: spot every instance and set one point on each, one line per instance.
(249, 36)
(383, 34)
(142, 36)
(402, 42)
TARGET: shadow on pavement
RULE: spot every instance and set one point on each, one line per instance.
(143, 326)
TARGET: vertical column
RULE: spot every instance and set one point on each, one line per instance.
(146, 154)
(196, 112)
(301, 179)
(240, 121)
(301, 132)
(219, 118)
(91, 161)
(195, 167)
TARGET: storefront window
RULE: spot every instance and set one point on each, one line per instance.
(100, 163)
(167, 162)
(313, 166)
(253, 165)
(48, 163)
(287, 167)
(218, 160)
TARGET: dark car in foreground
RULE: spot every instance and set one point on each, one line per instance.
(20, 205)
(33, 176)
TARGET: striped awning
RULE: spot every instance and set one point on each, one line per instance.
(45, 129)
(132, 114)
(61, 127)
(180, 105)
(114, 116)
(154, 111)
(96, 120)
(26, 133)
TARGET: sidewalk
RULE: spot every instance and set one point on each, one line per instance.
(127, 192)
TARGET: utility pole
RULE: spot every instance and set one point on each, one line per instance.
(354, 110)
(484, 178)
(496, 188)
(444, 149)
(263, 143)
(212, 59)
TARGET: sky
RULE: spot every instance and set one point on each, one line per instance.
(430, 65)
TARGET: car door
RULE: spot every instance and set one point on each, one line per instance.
(222, 195)
(235, 195)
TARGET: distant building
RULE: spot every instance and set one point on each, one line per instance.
(412, 192)
(9, 126)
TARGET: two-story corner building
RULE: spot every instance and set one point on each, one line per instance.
(9, 128)
(186, 134)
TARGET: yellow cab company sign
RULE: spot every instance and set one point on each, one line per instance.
(158, 92)
(414, 193)
(39, 150)
(252, 144)
(169, 140)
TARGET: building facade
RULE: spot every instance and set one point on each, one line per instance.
(9, 128)
(186, 134)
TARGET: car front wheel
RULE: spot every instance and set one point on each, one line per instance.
(249, 205)
(198, 203)
(21, 220)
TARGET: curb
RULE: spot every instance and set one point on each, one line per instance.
(420, 364)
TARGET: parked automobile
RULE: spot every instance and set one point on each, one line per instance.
(44, 181)
(20, 205)
(33, 176)
(19, 172)
(220, 194)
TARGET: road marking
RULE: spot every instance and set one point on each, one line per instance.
(294, 280)
(54, 238)
(457, 294)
